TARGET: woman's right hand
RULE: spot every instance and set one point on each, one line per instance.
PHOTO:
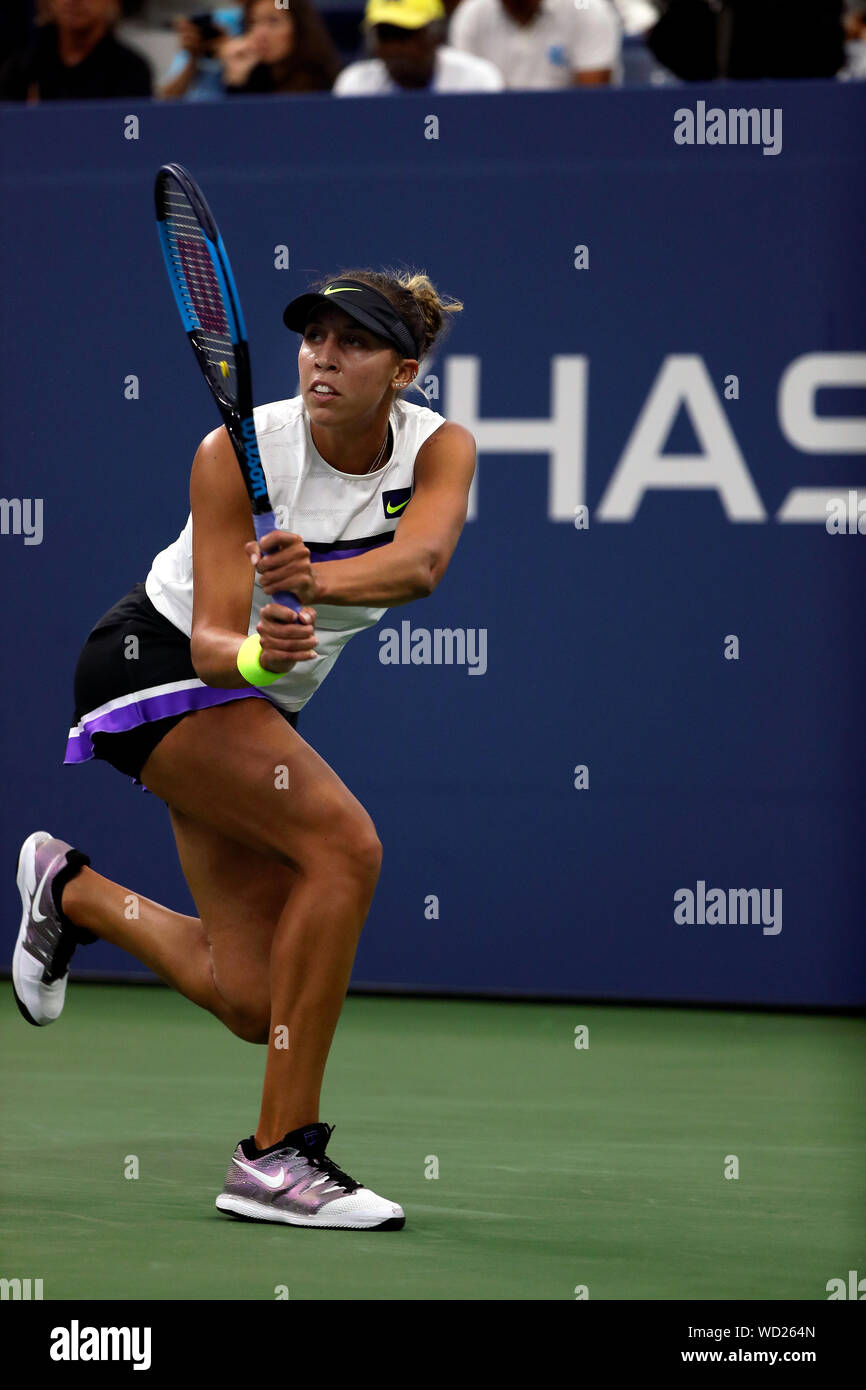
(238, 57)
(286, 636)
(190, 38)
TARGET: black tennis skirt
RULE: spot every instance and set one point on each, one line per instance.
(134, 681)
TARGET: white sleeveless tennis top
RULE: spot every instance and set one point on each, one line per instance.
(337, 514)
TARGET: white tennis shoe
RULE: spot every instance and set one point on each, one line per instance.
(294, 1183)
(46, 938)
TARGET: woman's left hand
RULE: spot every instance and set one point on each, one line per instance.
(288, 569)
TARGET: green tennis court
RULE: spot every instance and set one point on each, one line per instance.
(557, 1167)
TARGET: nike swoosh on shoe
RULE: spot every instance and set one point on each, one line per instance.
(34, 910)
(273, 1182)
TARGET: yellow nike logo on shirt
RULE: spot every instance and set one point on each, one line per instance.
(399, 507)
(345, 289)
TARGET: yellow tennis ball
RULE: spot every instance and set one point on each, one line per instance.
(224, 368)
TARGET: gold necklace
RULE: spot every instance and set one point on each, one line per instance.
(378, 459)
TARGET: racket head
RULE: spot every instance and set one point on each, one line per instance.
(204, 287)
(209, 305)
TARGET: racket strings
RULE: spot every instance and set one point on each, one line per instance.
(196, 278)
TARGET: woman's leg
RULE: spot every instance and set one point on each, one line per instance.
(240, 895)
(240, 770)
(178, 948)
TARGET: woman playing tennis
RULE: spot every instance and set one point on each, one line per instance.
(280, 858)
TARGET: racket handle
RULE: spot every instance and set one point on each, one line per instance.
(263, 523)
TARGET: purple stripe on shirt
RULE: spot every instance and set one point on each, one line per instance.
(342, 554)
(79, 748)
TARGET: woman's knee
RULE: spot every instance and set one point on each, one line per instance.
(358, 847)
(244, 1005)
(251, 1023)
(345, 840)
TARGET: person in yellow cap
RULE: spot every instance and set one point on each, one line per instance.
(404, 39)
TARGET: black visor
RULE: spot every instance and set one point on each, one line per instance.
(367, 306)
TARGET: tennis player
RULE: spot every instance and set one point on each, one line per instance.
(281, 859)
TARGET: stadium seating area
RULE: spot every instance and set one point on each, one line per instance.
(601, 42)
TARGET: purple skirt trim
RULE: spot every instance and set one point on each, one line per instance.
(144, 707)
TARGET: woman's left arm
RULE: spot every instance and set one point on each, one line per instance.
(412, 564)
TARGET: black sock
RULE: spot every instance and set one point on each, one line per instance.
(294, 1138)
(255, 1152)
(75, 860)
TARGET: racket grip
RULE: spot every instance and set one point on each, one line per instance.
(264, 522)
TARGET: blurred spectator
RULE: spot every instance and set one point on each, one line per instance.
(637, 16)
(700, 40)
(280, 50)
(855, 43)
(197, 73)
(540, 43)
(405, 37)
(74, 55)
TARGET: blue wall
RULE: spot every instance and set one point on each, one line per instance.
(605, 646)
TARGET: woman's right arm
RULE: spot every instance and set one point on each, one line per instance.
(223, 576)
(192, 45)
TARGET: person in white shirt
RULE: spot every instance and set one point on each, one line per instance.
(541, 43)
(637, 16)
(405, 37)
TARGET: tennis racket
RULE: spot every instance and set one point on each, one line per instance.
(205, 293)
